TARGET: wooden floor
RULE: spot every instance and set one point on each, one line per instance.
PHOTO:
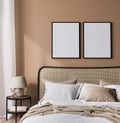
(8, 121)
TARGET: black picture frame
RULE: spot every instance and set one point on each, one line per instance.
(71, 25)
(87, 48)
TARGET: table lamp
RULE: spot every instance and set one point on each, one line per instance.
(17, 85)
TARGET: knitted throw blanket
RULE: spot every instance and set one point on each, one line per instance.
(108, 112)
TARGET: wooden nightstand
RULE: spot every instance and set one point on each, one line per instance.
(17, 109)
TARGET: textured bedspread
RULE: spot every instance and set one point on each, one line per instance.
(109, 112)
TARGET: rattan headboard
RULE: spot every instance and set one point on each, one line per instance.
(83, 74)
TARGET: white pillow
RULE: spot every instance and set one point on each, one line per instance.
(79, 90)
(117, 87)
(83, 90)
(57, 91)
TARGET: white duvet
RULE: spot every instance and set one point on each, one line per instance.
(69, 118)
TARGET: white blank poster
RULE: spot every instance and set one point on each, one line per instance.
(97, 40)
(65, 39)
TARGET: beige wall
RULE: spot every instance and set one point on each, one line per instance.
(33, 31)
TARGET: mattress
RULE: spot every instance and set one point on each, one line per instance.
(70, 118)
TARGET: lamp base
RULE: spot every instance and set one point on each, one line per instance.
(18, 92)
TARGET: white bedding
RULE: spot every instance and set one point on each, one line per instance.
(64, 118)
(69, 118)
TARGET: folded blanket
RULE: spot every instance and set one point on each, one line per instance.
(109, 112)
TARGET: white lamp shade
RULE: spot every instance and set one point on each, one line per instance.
(18, 82)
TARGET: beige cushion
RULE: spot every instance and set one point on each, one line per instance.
(71, 81)
(105, 82)
(98, 94)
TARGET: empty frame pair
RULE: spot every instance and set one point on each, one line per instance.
(96, 40)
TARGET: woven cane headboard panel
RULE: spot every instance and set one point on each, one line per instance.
(83, 74)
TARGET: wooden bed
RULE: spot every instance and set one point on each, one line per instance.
(82, 74)
(74, 110)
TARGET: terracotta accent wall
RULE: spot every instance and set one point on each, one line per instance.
(33, 32)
